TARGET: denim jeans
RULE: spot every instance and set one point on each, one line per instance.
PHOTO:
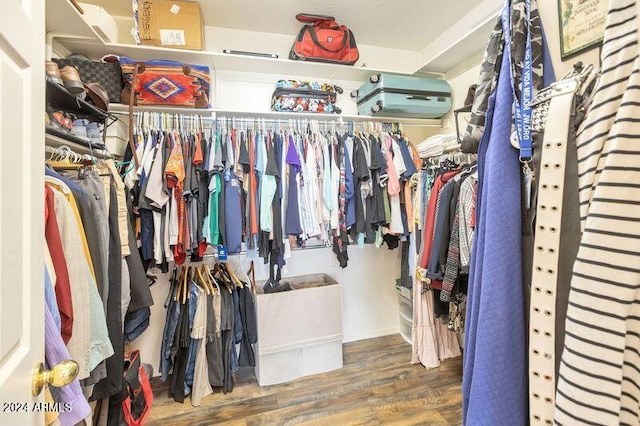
(167, 351)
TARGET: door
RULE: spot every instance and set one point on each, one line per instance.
(22, 92)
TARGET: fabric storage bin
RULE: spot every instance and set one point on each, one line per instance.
(299, 331)
(405, 330)
(406, 307)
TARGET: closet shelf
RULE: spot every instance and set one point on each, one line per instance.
(218, 61)
(286, 67)
(95, 49)
(60, 98)
(405, 292)
(79, 146)
(121, 109)
(406, 318)
(62, 18)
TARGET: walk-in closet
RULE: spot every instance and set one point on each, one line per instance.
(282, 212)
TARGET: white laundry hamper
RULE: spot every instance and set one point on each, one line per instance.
(299, 331)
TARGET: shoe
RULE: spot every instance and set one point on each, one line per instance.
(53, 72)
(276, 287)
(71, 79)
(61, 119)
(98, 95)
(94, 133)
(80, 128)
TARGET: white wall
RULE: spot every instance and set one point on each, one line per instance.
(370, 304)
(459, 86)
(549, 15)
(217, 39)
(369, 299)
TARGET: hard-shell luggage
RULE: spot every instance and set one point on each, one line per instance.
(393, 95)
(305, 96)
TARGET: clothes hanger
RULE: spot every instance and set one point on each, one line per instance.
(233, 276)
(240, 270)
(224, 268)
(204, 271)
(199, 280)
(252, 281)
(218, 270)
(209, 280)
(185, 285)
(209, 274)
(64, 165)
(178, 292)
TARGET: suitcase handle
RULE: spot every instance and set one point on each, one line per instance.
(419, 97)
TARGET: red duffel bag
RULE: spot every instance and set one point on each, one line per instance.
(323, 40)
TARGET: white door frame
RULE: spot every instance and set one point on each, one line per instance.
(22, 92)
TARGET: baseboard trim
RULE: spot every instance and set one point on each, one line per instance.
(354, 337)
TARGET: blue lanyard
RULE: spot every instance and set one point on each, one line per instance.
(522, 110)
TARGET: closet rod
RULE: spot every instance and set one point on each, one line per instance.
(244, 252)
(338, 119)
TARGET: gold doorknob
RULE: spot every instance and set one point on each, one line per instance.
(61, 374)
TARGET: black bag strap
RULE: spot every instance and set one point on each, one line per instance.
(352, 40)
(138, 69)
(310, 18)
(131, 369)
(314, 38)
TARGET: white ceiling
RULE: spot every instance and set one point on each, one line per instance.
(398, 24)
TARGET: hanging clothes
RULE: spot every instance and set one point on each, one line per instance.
(94, 286)
(495, 344)
(598, 378)
(201, 331)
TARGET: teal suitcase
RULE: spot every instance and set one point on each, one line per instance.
(392, 95)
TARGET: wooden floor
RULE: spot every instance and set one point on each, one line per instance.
(377, 385)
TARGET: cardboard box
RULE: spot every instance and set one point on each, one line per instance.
(167, 23)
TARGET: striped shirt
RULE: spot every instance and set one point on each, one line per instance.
(599, 378)
(465, 210)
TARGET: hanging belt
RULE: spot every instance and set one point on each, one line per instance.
(542, 380)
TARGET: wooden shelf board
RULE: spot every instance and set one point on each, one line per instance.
(121, 109)
(95, 50)
(61, 17)
(226, 62)
(287, 67)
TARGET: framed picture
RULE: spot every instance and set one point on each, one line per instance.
(582, 24)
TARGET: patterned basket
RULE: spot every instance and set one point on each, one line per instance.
(107, 74)
(167, 83)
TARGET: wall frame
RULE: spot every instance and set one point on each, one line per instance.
(582, 24)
